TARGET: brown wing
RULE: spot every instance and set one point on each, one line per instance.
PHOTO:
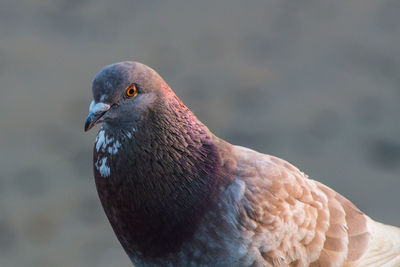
(297, 221)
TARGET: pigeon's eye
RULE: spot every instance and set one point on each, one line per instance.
(131, 91)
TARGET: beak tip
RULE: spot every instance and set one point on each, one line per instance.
(96, 111)
(88, 124)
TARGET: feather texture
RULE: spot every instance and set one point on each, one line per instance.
(176, 195)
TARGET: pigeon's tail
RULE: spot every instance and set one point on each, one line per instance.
(383, 248)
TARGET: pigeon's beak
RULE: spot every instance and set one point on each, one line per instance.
(96, 111)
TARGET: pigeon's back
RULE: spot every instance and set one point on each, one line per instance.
(296, 221)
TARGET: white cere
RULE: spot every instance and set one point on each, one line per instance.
(98, 107)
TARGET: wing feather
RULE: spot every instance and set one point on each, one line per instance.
(300, 222)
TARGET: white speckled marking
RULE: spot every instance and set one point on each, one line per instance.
(103, 141)
(100, 140)
(108, 141)
(129, 134)
(113, 149)
(103, 168)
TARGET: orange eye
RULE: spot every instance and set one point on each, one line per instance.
(131, 91)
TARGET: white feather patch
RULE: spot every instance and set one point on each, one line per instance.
(106, 143)
(100, 140)
(103, 168)
(113, 149)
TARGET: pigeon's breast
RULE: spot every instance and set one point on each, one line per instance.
(219, 240)
(107, 147)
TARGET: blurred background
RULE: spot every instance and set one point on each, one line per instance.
(315, 83)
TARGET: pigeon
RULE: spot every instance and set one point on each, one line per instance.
(177, 195)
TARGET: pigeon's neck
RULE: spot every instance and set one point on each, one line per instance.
(162, 180)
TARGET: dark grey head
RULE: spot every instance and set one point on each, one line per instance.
(122, 92)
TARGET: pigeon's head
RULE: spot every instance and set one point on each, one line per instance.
(123, 93)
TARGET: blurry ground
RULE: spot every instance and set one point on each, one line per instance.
(317, 84)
